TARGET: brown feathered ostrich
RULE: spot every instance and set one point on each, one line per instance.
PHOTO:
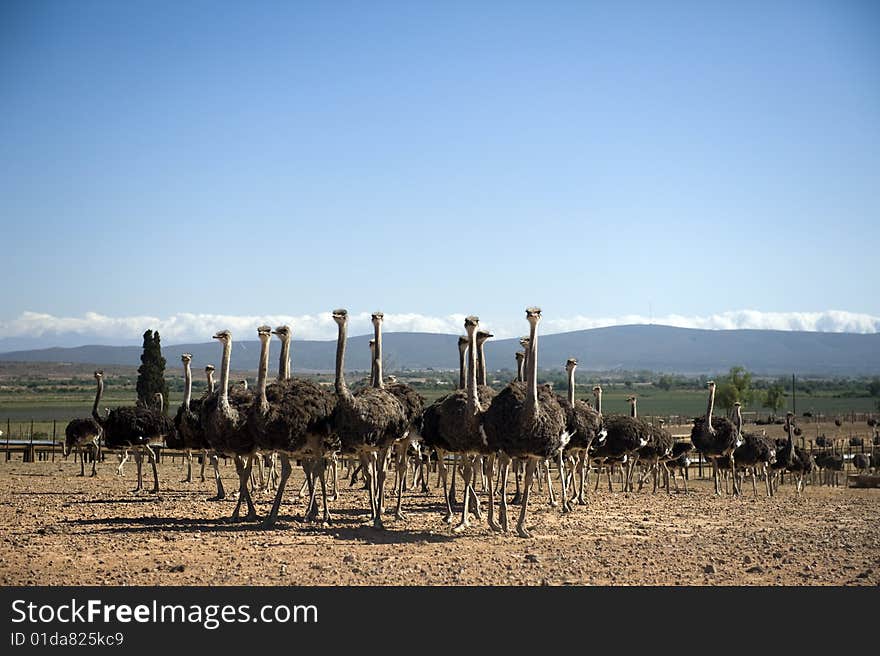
(412, 404)
(757, 452)
(625, 435)
(658, 447)
(291, 417)
(224, 420)
(136, 428)
(584, 425)
(82, 434)
(454, 420)
(716, 437)
(367, 422)
(525, 422)
(517, 463)
(520, 358)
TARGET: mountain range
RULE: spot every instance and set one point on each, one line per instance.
(628, 348)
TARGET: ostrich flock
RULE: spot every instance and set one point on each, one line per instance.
(478, 433)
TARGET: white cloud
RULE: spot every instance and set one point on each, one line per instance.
(187, 327)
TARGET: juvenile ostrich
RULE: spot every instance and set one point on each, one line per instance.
(757, 452)
(136, 428)
(584, 425)
(455, 421)
(367, 422)
(413, 405)
(224, 420)
(525, 422)
(291, 417)
(85, 433)
(716, 437)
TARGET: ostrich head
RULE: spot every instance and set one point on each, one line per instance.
(99, 375)
(377, 317)
(571, 364)
(283, 332)
(209, 368)
(223, 336)
(533, 315)
(462, 343)
(159, 400)
(482, 336)
(264, 332)
(524, 342)
(471, 323)
(519, 355)
(340, 316)
(186, 358)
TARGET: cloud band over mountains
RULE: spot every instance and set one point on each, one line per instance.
(94, 328)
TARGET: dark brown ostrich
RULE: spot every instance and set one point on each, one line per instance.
(367, 422)
(82, 434)
(454, 421)
(625, 435)
(291, 417)
(413, 405)
(802, 464)
(520, 358)
(584, 425)
(715, 437)
(188, 424)
(677, 461)
(659, 446)
(525, 422)
(784, 449)
(757, 452)
(136, 428)
(224, 420)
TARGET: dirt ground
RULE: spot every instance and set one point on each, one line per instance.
(60, 529)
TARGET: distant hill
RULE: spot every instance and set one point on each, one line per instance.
(656, 348)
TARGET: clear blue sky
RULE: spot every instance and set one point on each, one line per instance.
(452, 157)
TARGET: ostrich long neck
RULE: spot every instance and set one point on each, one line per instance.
(532, 398)
(263, 373)
(98, 394)
(341, 388)
(710, 406)
(739, 420)
(284, 359)
(462, 380)
(571, 386)
(520, 358)
(598, 394)
(377, 330)
(481, 364)
(373, 381)
(187, 384)
(210, 374)
(633, 412)
(472, 400)
(224, 375)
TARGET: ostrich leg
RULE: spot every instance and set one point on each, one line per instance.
(553, 502)
(204, 462)
(401, 476)
(95, 459)
(310, 513)
(582, 466)
(286, 470)
(736, 490)
(466, 476)
(442, 474)
(517, 475)
(380, 480)
(139, 462)
(322, 469)
(490, 473)
(504, 470)
(608, 469)
(152, 458)
(188, 457)
(531, 464)
(334, 468)
(221, 493)
(454, 470)
(566, 503)
(82, 461)
(715, 476)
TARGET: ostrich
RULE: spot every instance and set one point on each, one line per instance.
(659, 446)
(755, 452)
(519, 464)
(584, 425)
(188, 424)
(413, 405)
(802, 463)
(291, 417)
(625, 435)
(454, 421)
(134, 427)
(520, 357)
(224, 420)
(677, 461)
(525, 422)
(366, 422)
(784, 448)
(716, 437)
(485, 395)
(85, 433)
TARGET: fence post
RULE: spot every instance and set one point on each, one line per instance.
(53, 440)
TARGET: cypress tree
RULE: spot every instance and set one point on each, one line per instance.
(151, 373)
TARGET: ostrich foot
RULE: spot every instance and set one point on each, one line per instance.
(516, 500)
(93, 474)
(566, 507)
(252, 517)
(399, 515)
(377, 523)
(522, 532)
(494, 526)
(80, 475)
(461, 526)
(502, 517)
(581, 501)
(268, 523)
(216, 497)
(554, 504)
(447, 518)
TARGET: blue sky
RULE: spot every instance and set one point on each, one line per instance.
(602, 160)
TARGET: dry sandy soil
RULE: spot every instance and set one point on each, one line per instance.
(58, 528)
